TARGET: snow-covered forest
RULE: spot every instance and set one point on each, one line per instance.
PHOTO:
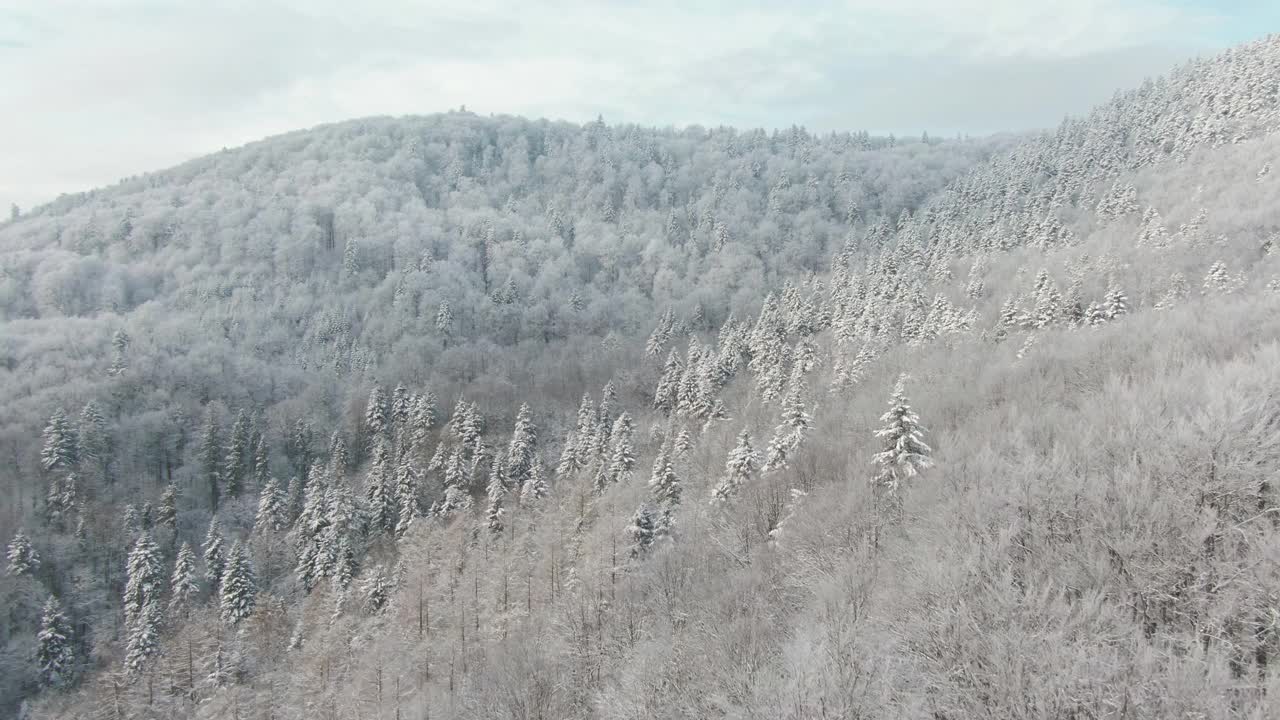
(481, 417)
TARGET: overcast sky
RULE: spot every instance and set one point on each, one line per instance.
(95, 90)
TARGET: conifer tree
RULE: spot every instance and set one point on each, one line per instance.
(379, 497)
(905, 453)
(215, 558)
(623, 459)
(406, 496)
(422, 418)
(61, 501)
(444, 319)
(375, 412)
(272, 514)
(642, 531)
(666, 397)
(55, 654)
(239, 587)
(298, 448)
(789, 434)
(522, 449)
(401, 406)
(351, 259)
(739, 468)
(661, 334)
(1115, 304)
(497, 492)
(23, 559)
(339, 459)
(167, 512)
(261, 460)
(183, 587)
(120, 352)
(664, 485)
(568, 457)
(344, 566)
(1048, 307)
(142, 609)
(94, 442)
(535, 488)
(684, 442)
(237, 462)
(210, 456)
(61, 452)
(375, 590)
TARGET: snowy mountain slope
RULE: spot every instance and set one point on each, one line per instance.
(1068, 509)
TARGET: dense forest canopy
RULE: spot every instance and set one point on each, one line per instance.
(457, 416)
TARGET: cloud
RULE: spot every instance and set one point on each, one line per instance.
(110, 89)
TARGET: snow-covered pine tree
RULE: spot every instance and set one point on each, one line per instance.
(351, 259)
(344, 565)
(465, 424)
(664, 485)
(210, 457)
(1115, 304)
(496, 491)
(239, 587)
(684, 442)
(422, 418)
(120, 352)
(55, 653)
(144, 636)
(661, 334)
(339, 458)
(261, 459)
(456, 497)
(642, 530)
(22, 557)
(535, 488)
(1048, 306)
(272, 515)
(94, 442)
(375, 412)
(905, 453)
(378, 494)
(237, 461)
(61, 447)
(444, 319)
(666, 398)
(215, 557)
(142, 610)
(1217, 281)
(401, 406)
(522, 449)
(375, 590)
(796, 420)
(568, 463)
(167, 512)
(622, 459)
(739, 468)
(408, 481)
(183, 587)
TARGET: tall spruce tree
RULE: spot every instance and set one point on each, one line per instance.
(239, 587)
(215, 555)
(210, 456)
(55, 653)
(904, 452)
(183, 587)
(61, 446)
(22, 557)
(739, 468)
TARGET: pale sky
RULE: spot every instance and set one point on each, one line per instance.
(93, 90)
